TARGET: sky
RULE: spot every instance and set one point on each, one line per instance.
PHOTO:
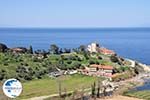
(74, 13)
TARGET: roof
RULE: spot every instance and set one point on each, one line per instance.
(18, 48)
(85, 70)
(95, 65)
(107, 67)
(115, 75)
(106, 51)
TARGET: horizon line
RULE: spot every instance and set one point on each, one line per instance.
(74, 27)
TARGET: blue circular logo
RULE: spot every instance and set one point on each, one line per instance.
(12, 88)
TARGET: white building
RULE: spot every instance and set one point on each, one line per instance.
(93, 47)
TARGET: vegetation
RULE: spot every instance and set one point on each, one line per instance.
(30, 50)
(38, 64)
(139, 94)
(93, 90)
(123, 76)
(54, 49)
(114, 59)
(26, 65)
(33, 68)
(3, 47)
(49, 86)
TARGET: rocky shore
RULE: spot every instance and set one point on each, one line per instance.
(143, 67)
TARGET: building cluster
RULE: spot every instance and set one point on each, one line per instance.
(98, 70)
(94, 47)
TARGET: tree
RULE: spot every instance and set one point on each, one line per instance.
(60, 51)
(75, 50)
(30, 50)
(92, 61)
(98, 88)
(65, 93)
(54, 49)
(44, 53)
(104, 91)
(67, 50)
(38, 51)
(59, 88)
(3, 47)
(3, 74)
(114, 59)
(99, 57)
(75, 65)
(24, 72)
(93, 90)
(82, 48)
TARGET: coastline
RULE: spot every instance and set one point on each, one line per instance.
(130, 90)
(118, 94)
(134, 92)
(130, 84)
(106, 38)
(132, 78)
(120, 97)
(125, 86)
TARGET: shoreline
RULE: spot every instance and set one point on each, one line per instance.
(131, 76)
(127, 84)
(141, 94)
(130, 83)
(120, 97)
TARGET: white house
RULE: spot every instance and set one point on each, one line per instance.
(93, 47)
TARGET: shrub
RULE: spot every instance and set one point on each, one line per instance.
(3, 47)
(69, 62)
(75, 65)
(99, 57)
(92, 61)
(3, 74)
(114, 59)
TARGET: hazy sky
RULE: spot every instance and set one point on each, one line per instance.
(74, 13)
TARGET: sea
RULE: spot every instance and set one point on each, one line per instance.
(133, 43)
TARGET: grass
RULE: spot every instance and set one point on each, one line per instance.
(50, 86)
(139, 94)
(10, 63)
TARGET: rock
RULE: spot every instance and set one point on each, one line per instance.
(145, 67)
(3, 47)
(132, 63)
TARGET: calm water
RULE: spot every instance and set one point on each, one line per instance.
(131, 43)
(146, 86)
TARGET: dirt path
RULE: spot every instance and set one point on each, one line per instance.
(41, 97)
(119, 97)
(124, 85)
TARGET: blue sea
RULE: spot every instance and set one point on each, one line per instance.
(133, 43)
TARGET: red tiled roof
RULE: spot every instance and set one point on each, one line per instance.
(102, 66)
(85, 70)
(108, 67)
(95, 65)
(106, 51)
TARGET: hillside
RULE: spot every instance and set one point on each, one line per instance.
(26, 64)
(38, 69)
